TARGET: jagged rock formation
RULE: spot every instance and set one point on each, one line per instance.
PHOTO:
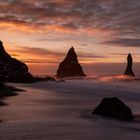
(129, 70)
(11, 69)
(70, 66)
(113, 108)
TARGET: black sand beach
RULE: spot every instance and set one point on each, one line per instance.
(62, 111)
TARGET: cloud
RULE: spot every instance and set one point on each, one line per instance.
(34, 55)
(130, 42)
(36, 51)
(120, 17)
(47, 56)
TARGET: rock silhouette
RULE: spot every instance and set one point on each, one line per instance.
(11, 69)
(129, 70)
(70, 66)
(113, 108)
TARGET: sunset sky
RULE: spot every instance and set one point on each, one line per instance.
(40, 32)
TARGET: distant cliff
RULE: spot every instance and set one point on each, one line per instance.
(13, 70)
(70, 66)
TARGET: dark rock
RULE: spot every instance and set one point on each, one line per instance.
(113, 108)
(70, 66)
(129, 70)
(2, 104)
(1, 85)
(62, 80)
(13, 70)
(7, 91)
(47, 78)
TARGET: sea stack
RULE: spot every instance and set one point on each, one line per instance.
(70, 66)
(13, 70)
(129, 70)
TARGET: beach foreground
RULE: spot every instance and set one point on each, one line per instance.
(62, 111)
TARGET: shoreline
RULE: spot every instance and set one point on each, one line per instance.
(8, 91)
(61, 110)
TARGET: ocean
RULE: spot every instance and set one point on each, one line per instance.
(62, 110)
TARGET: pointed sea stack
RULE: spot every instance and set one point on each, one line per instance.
(129, 70)
(70, 66)
(11, 69)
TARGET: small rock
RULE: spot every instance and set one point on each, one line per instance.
(114, 108)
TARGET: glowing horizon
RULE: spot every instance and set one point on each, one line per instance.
(41, 32)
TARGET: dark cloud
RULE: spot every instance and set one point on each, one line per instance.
(118, 16)
(126, 42)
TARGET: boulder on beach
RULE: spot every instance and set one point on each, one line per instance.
(129, 70)
(11, 69)
(113, 108)
(70, 66)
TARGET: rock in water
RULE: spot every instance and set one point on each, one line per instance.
(70, 66)
(129, 70)
(11, 69)
(114, 108)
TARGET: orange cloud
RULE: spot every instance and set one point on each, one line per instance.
(18, 27)
(34, 29)
(68, 29)
(31, 55)
(34, 55)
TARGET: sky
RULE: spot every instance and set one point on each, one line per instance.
(40, 32)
